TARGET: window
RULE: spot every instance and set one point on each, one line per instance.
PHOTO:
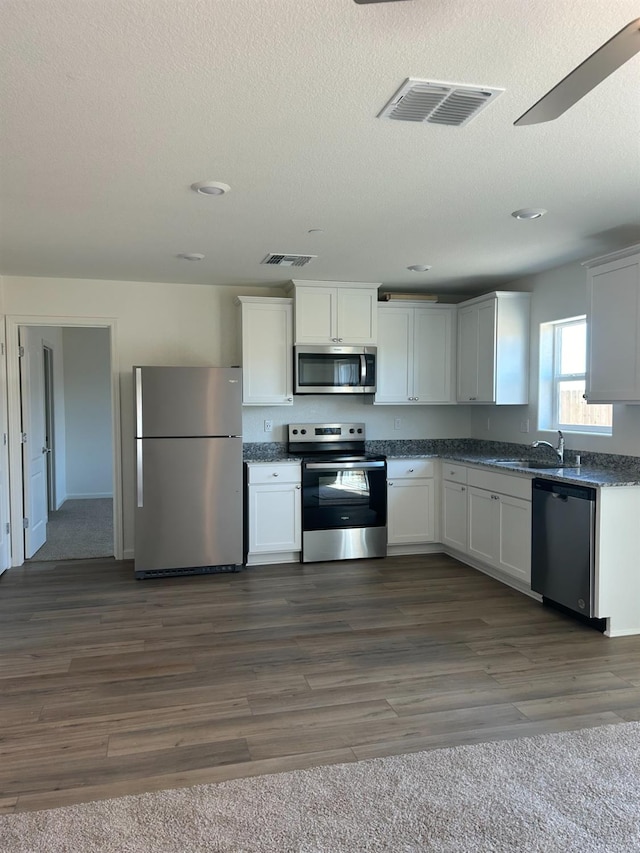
(564, 362)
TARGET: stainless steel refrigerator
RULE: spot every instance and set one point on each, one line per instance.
(188, 461)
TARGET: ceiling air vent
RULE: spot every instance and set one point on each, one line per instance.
(438, 103)
(281, 260)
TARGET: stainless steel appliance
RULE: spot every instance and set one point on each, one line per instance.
(188, 445)
(334, 370)
(344, 493)
(562, 544)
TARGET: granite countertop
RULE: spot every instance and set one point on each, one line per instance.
(597, 469)
(583, 475)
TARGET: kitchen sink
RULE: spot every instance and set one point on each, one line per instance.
(530, 463)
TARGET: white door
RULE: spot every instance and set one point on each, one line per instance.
(395, 355)
(34, 469)
(454, 515)
(432, 355)
(515, 538)
(483, 524)
(274, 518)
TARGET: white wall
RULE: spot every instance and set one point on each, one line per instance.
(555, 295)
(87, 405)
(416, 421)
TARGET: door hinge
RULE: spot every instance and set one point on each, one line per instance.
(20, 352)
(23, 438)
(7, 528)
(25, 523)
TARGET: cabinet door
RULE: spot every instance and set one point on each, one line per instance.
(433, 356)
(267, 338)
(468, 353)
(275, 522)
(483, 510)
(613, 323)
(486, 354)
(315, 310)
(411, 511)
(395, 355)
(357, 315)
(514, 555)
(454, 515)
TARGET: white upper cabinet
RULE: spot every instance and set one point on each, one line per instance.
(266, 333)
(416, 354)
(493, 349)
(613, 328)
(336, 312)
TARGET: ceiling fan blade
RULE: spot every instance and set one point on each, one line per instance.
(586, 76)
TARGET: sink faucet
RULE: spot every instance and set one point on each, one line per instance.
(559, 450)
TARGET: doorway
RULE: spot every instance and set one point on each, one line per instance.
(80, 485)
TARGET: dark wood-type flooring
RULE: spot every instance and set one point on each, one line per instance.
(111, 686)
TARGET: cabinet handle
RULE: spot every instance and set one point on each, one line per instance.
(298, 487)
(411, 470)
(275, 474)
(416, 398)
(463, 489)
(289, 399)
(473, 398)
(495, 497)
(389, 483)
(585, 396)
(340, 340)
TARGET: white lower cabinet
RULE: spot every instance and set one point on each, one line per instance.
(274, 519)
(454, 506)
(411, 504)
(499, 522)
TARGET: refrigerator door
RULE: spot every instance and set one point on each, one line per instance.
(188, 503)
(187, 401)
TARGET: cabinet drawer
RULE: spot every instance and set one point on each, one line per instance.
(402, 468)
(505, 484)
(451, 471)
(273, 472)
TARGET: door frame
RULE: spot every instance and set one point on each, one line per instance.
(49, 414)
(12, 324)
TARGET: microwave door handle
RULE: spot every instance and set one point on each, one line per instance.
(363, 369)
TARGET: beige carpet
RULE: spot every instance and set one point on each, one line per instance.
(79, 530)
(574, 791)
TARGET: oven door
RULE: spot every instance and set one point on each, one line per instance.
(339, 495)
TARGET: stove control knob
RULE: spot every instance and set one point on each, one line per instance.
(295, 431)
(360, 430)
(352, 430)
(303, 431)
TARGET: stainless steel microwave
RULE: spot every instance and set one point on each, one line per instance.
(334, 370)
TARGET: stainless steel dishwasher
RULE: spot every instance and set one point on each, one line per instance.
(562, 544)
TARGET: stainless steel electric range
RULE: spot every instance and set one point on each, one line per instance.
(344, 493)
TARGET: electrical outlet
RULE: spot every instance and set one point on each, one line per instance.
(268, 426)
(524, 425)
(397, 423)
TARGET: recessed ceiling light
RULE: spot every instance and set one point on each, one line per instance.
(529, 213)
(210, 187)
(190, 256)
(419, 267)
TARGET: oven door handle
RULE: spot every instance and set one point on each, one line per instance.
(342, 466)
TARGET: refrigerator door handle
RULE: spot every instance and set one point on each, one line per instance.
(139, 472)
(138, 384)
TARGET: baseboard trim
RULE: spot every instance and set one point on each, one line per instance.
(89, 497)
(127, 554)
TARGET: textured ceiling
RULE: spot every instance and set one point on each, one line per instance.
(110, 109)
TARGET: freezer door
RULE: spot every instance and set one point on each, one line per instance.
(188, 503)
(186, 401)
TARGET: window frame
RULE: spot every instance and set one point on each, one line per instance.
(556, 377)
